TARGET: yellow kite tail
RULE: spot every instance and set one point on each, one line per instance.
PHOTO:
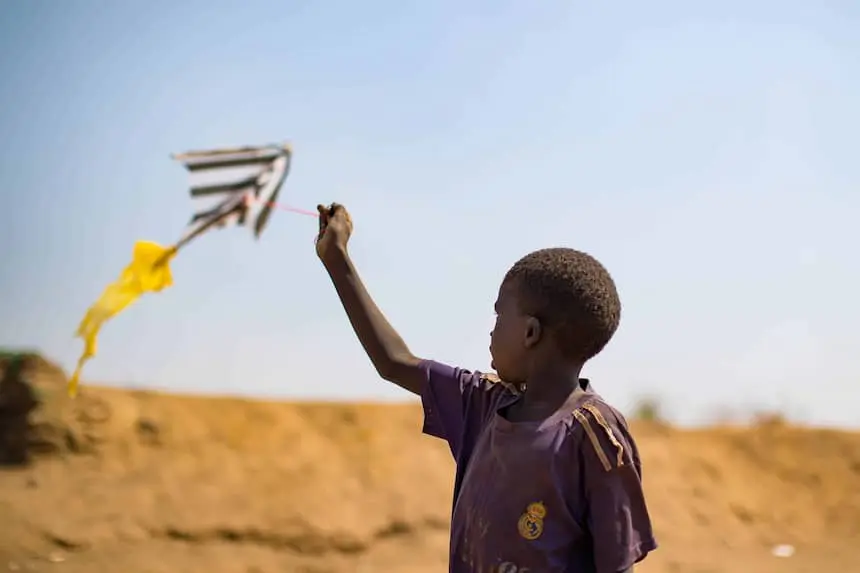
(149, 271)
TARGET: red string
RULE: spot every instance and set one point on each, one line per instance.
(283, 207)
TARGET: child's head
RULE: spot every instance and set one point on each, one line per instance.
(554, 304)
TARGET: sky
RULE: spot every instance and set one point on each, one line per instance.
(706, 153)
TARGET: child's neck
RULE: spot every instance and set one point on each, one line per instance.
(548, 389)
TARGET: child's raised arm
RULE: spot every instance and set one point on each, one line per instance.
(389, 354)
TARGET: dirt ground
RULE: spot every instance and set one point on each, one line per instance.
(140, 482)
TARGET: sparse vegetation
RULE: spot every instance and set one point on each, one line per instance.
(7, 354)
(648, 409)
(769, 418)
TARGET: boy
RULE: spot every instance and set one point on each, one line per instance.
(548, 476)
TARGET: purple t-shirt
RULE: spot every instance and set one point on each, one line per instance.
(562, 495)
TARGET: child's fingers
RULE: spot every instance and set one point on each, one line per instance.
(329, 214)
(323, 219)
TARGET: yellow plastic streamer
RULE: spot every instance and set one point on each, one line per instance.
(149, 271)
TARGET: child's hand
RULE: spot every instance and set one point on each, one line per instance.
(335, 230)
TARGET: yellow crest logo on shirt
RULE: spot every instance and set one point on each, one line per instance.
(530, 524)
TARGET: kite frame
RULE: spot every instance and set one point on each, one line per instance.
(279, 158)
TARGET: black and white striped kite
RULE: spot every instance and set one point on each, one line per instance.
(234, 186)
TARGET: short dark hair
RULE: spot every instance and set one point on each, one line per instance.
(571, 293)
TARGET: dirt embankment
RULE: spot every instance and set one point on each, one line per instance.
(133, 481)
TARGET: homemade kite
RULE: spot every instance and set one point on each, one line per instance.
(251, 195)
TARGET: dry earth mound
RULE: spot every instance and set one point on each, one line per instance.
(134, 481)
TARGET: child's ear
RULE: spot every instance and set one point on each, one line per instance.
(533, 332)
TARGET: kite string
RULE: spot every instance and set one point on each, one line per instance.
(188, 237)
(284, 207)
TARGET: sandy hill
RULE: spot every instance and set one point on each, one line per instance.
(141, 482)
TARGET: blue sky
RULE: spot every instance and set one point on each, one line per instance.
(705, 152)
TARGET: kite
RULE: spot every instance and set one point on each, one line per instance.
(251, 196)
(270, 167)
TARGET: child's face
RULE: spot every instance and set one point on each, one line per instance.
(513, 335)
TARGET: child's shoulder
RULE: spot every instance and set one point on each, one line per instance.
(594, 407)
(600, 427)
